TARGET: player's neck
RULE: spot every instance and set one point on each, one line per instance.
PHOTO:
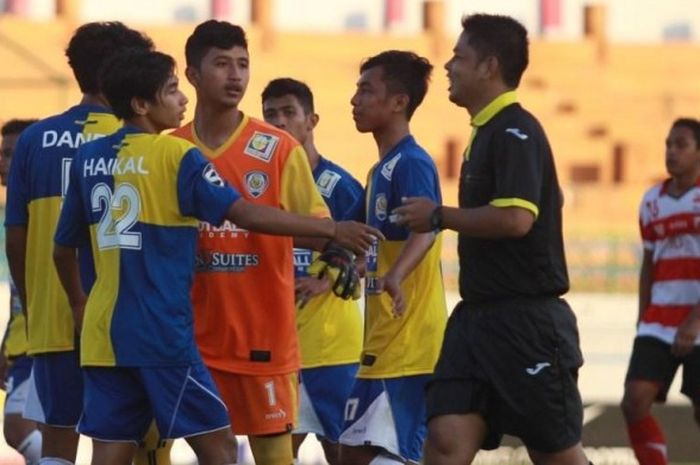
(312, 154)
(486, 96)
(214, 125)
(94, 99)
(387, 137)
(682, 184)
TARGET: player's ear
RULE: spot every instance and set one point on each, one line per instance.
(139, 106)
(400, 102)
(192, 75)
(313, 120)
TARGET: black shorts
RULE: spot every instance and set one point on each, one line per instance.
(516, 364)
(652, 360)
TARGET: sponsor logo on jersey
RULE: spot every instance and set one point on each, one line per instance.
(327, 182)
(380, 206)
(256, 183)
(537, 368)
(261, 146)
(226, 230)
(371, 279)
(517, 133)
(210, 174)
(278, 415)
(302, 260)
(216, 261)
(388, 168)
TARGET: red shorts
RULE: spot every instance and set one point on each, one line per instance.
(259, 405)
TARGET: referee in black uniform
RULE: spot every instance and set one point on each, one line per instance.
(510, 357)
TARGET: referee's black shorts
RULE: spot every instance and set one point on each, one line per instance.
(515, 363)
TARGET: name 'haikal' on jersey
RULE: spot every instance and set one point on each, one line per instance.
(113, 166)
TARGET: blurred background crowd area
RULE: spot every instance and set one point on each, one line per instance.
(606, 79)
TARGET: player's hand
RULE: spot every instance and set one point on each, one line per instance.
(306, 288)
(415, 214)
(391, 285)
(686, 335)
(355, 236)
(338, 266)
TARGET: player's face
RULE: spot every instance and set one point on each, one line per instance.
(287, 113)
(222, 76)
(464, 71)
(169, 109)
(371, 104)
(682, 152)
(7, 146)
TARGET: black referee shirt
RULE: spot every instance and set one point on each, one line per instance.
(509, 163)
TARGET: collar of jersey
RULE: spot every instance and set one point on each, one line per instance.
(213, 153)
(397, 148)
(495, 106)
(131, 129)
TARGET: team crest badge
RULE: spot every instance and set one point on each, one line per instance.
(261, 146)
(327, 182)
(380, 206)
(388, 168)
(256, 182)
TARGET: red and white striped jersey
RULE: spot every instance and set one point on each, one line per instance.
(670, 228)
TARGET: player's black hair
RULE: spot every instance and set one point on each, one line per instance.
(213, 34)
(403, 72)
(502, 37)
(16, 126)
(690, 123)
(134, 73)
(288, 86)
(93, 44)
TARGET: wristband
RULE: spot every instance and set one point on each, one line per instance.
(436, 219)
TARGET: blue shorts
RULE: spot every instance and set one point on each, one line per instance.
(323, 392)
(121, 402)
(55, 396)
(388, 413)
(17, 384)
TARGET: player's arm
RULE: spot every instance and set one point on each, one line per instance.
(488, 222)
(413, 251)
(645, 283)
(68, 268)
(16, 251)
(260, 218)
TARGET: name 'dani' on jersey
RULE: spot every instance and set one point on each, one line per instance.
(113, 166)
(73, 140)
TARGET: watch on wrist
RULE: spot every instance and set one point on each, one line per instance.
(436, 219)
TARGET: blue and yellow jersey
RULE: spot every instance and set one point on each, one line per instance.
(15, 340)
(136, 198)
(408, 345)
(330, 328)
(37, 182)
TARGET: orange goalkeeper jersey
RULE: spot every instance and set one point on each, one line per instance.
(243, 292)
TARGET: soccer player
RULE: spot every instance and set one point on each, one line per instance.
(243, 291)
(135, 197)
(405, 299)
(668, 324)
(37, 181)
(329, 328)
(21, 434)
(511, 354)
